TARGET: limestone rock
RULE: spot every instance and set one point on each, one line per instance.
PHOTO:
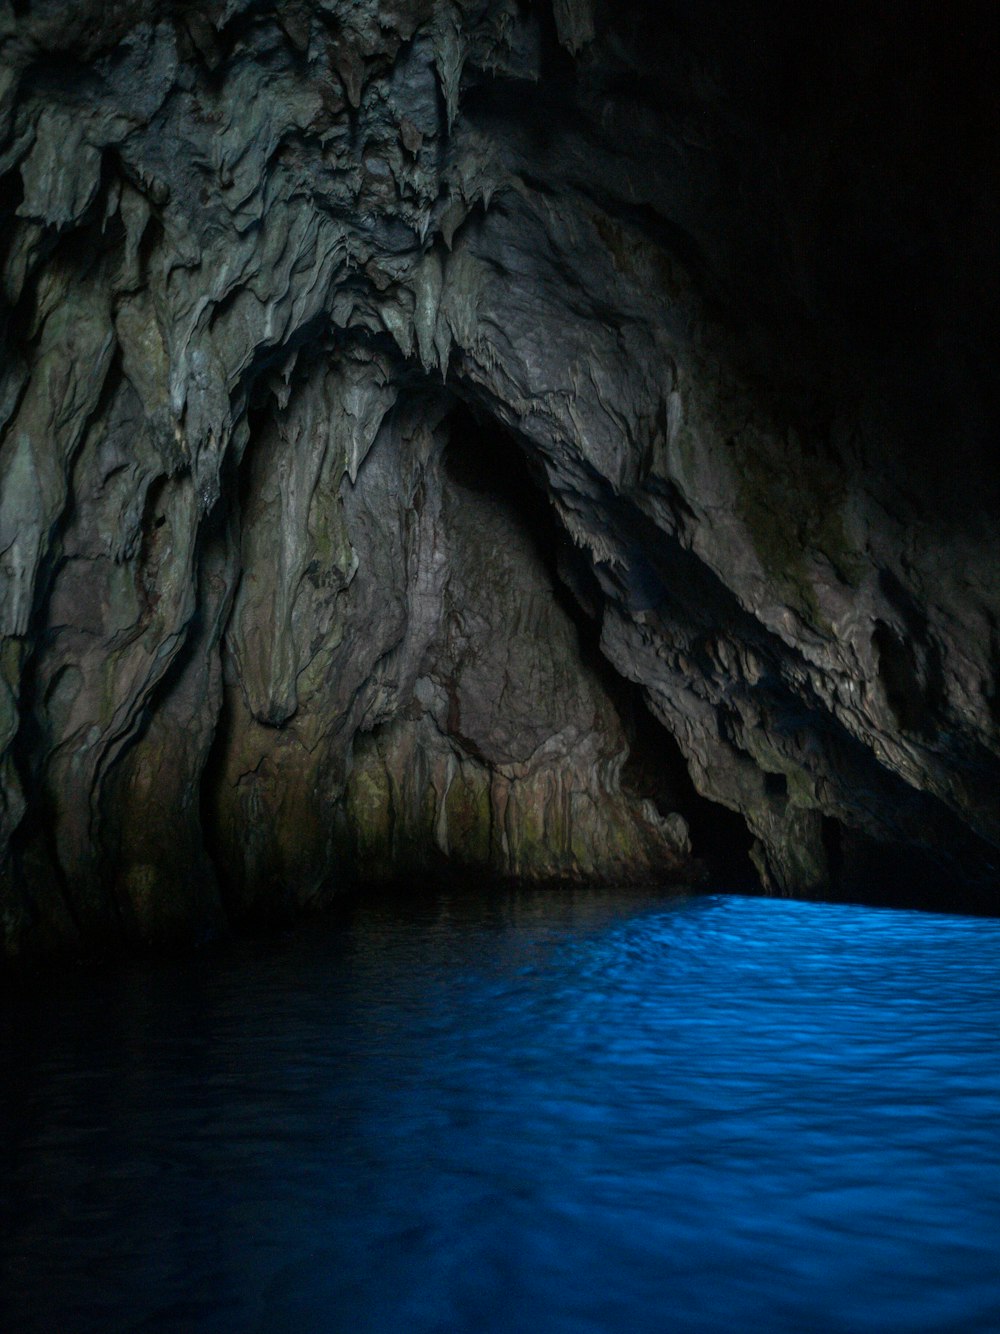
(719, 282)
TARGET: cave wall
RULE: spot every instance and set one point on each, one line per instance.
(718, 278)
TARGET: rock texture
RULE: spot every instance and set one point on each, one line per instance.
(272, 276)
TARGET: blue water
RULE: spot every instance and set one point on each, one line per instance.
(548, 1112)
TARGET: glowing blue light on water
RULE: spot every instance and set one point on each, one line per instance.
(547, 1112)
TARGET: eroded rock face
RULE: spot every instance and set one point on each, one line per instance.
(266, 628)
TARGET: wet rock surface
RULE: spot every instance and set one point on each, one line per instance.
(275, 276)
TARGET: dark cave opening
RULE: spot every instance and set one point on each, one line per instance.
(483, 455)
(656, 769)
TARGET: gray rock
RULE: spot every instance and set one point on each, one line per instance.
(265, 633)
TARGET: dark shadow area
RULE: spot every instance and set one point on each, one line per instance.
(861, 144)
(656, 769)
(892, 875)
(482, 456)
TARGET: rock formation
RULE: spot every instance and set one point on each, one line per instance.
(386, 385)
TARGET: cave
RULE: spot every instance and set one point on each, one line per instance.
(263, 264)
(491, 458)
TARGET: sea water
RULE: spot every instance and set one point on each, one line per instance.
(554, 1112)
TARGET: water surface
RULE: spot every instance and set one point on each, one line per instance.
(551, 1112)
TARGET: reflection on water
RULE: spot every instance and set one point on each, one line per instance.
(542, 1111)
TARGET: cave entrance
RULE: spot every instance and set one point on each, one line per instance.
(486, 461)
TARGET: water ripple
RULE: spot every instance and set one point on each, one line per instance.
(563, 1112)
